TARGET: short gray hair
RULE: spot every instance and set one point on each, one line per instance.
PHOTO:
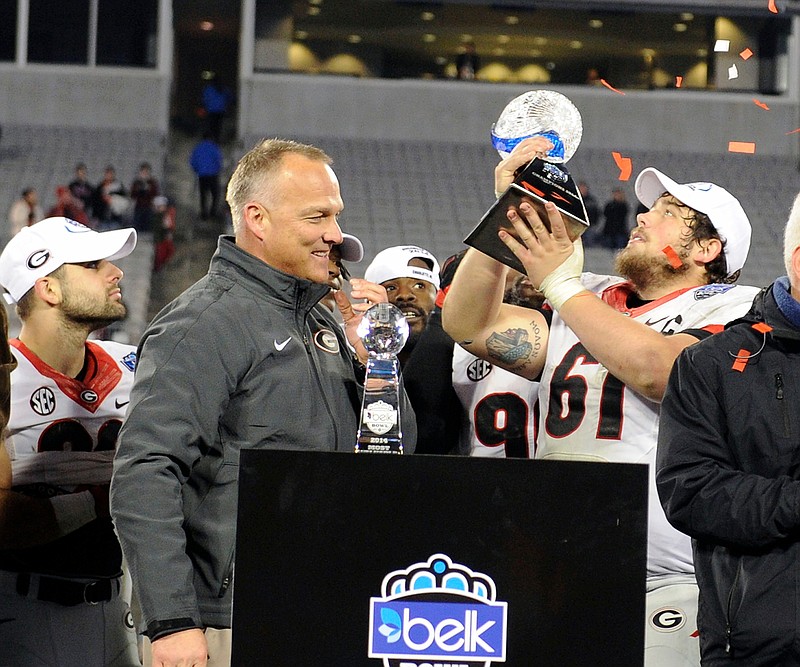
(791, 235)
(257, 165)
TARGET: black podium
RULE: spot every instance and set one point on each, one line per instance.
(350, 560)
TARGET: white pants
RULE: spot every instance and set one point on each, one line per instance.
(671, 638)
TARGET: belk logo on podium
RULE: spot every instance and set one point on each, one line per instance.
(437, 614)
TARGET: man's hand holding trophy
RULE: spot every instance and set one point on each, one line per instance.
(536, 133)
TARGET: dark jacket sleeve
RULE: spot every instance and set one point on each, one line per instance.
(428, 375)
(705, 490)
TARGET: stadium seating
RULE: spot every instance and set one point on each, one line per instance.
(45, 157)
(432, 194)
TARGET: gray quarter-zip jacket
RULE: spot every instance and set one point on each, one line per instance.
(243, 359)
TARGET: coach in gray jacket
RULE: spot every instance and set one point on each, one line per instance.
(244, 358)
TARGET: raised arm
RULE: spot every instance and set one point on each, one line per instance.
(475, 316)
(631, 351)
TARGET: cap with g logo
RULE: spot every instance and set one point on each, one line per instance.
(40, 249)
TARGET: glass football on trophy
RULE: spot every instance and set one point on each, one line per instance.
(384, 330)
(544, 179)
(539, 113)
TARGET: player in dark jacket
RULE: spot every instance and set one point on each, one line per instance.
(727, 474)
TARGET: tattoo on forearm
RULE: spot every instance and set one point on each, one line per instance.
(510, 346)
(537, 338)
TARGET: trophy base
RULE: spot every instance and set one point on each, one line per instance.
(537, 183)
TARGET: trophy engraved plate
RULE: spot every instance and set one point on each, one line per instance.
(384, 331)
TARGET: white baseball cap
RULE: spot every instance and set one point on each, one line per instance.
(392, 263)
(351, 248)
(38, 250)
(721, 207)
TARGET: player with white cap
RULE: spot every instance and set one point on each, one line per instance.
(60, 561)
(605, 358)
(410, 275)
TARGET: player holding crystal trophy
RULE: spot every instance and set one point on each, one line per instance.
(604, 357)
(384, 331)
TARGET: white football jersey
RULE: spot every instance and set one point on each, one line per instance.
(62, 432)
(586, 414)
(500, 407)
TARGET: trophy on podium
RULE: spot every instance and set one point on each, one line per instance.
(537, 113)
(384, 331)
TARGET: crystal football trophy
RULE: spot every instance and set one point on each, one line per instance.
(548, 114)
(384, 331)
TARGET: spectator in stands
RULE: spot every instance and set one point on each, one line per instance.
(207, 160)
(592, 235)
(24, 211)
(590, 202)
(615, 216)
(593, 77)
(111, 203)
(68, 206)
(467, 63)
(162, 221)
(410, 275)
(143, 189)
(81, 188)
(216, 100)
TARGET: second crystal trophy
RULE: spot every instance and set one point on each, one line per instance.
(384, 331)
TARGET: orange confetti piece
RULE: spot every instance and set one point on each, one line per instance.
(760, 104)
(772, 7)
(741, 147)
(741, 360)
(678, 81)
(762, 327)
(625, 165)
(794, 131)
(610, 87)
(672, 256)
(746, 54)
